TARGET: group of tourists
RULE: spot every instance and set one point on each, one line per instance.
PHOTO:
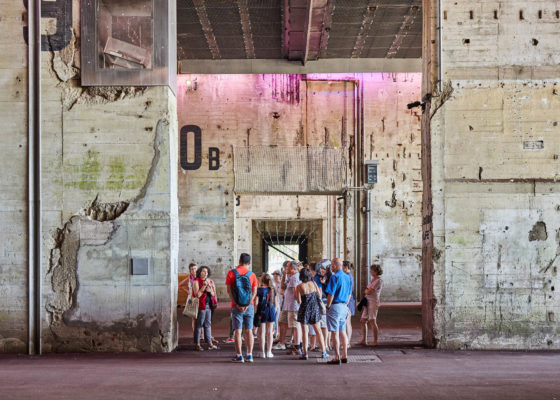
(314, 303)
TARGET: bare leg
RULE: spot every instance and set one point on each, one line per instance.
(319, 334)
(349, 328)
(363, 323)
(326, 336)
(297, 334)
(305, 338)
(344, 344)
(237, 334)
(336, 344)
(249, 340)
(375, 329)
(269, 334)
(262, 336)
(313, 339)
(283, 330)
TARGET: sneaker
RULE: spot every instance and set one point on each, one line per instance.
(280, 346)
(238, 359)
(296, 352)
(198, 347)
(269, 354)
(261, 355)
(249, 358)
(229, 340)
(325, 355)
(304, 356)
(212, 347)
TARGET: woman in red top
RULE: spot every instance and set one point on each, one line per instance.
(204, 289)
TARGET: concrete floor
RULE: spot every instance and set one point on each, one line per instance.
(404, 371)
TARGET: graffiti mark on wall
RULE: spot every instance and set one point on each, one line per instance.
(213, 152)
(61, 11)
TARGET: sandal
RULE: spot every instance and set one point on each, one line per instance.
(198, 347)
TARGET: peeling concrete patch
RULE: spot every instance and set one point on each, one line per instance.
(98, 95)
(69, 332)
(538, 232)
(65, 63)
(440, 98)
(105, 211)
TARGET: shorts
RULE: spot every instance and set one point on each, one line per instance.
(324, 321)
(370, 313)
(292, 319)
(336, 317)
(283, 319)
(242, 320)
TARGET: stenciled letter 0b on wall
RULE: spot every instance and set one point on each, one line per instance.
(183, 139)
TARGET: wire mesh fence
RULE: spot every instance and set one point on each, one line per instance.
(289, 170)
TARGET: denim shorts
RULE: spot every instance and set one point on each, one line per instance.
(242, 320)
(336, 317)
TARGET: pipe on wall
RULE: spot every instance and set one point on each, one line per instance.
(34, 176)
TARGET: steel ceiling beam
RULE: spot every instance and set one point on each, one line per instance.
(325, 29)
(200, 7)
(307, 30)
(281, 66)
(409, 18)
(246, 27)
(365, 29)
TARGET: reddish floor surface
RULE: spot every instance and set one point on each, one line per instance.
(404, 372)
(399, 324)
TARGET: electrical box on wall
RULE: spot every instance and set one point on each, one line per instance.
(128, 42)
(140, 266)
(370, 173)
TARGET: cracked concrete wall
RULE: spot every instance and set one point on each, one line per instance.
(13, 184)
(495, 169)
(244, 110)
(108, 195)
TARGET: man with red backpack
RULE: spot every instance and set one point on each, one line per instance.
(242, 289)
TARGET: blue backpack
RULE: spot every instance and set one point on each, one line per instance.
(242, 292)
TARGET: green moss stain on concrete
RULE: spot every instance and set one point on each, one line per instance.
(110, 174)
(88, 173)
(116, 174)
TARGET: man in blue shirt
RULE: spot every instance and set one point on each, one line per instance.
(338, 292)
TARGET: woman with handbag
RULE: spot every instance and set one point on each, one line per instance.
(205, 291)
(308, 295)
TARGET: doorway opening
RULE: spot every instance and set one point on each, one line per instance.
(281, 249)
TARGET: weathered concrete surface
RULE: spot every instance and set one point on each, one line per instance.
(13, 182)
(286, 110)
(93, 301)
(108, 195)
(495, 166)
